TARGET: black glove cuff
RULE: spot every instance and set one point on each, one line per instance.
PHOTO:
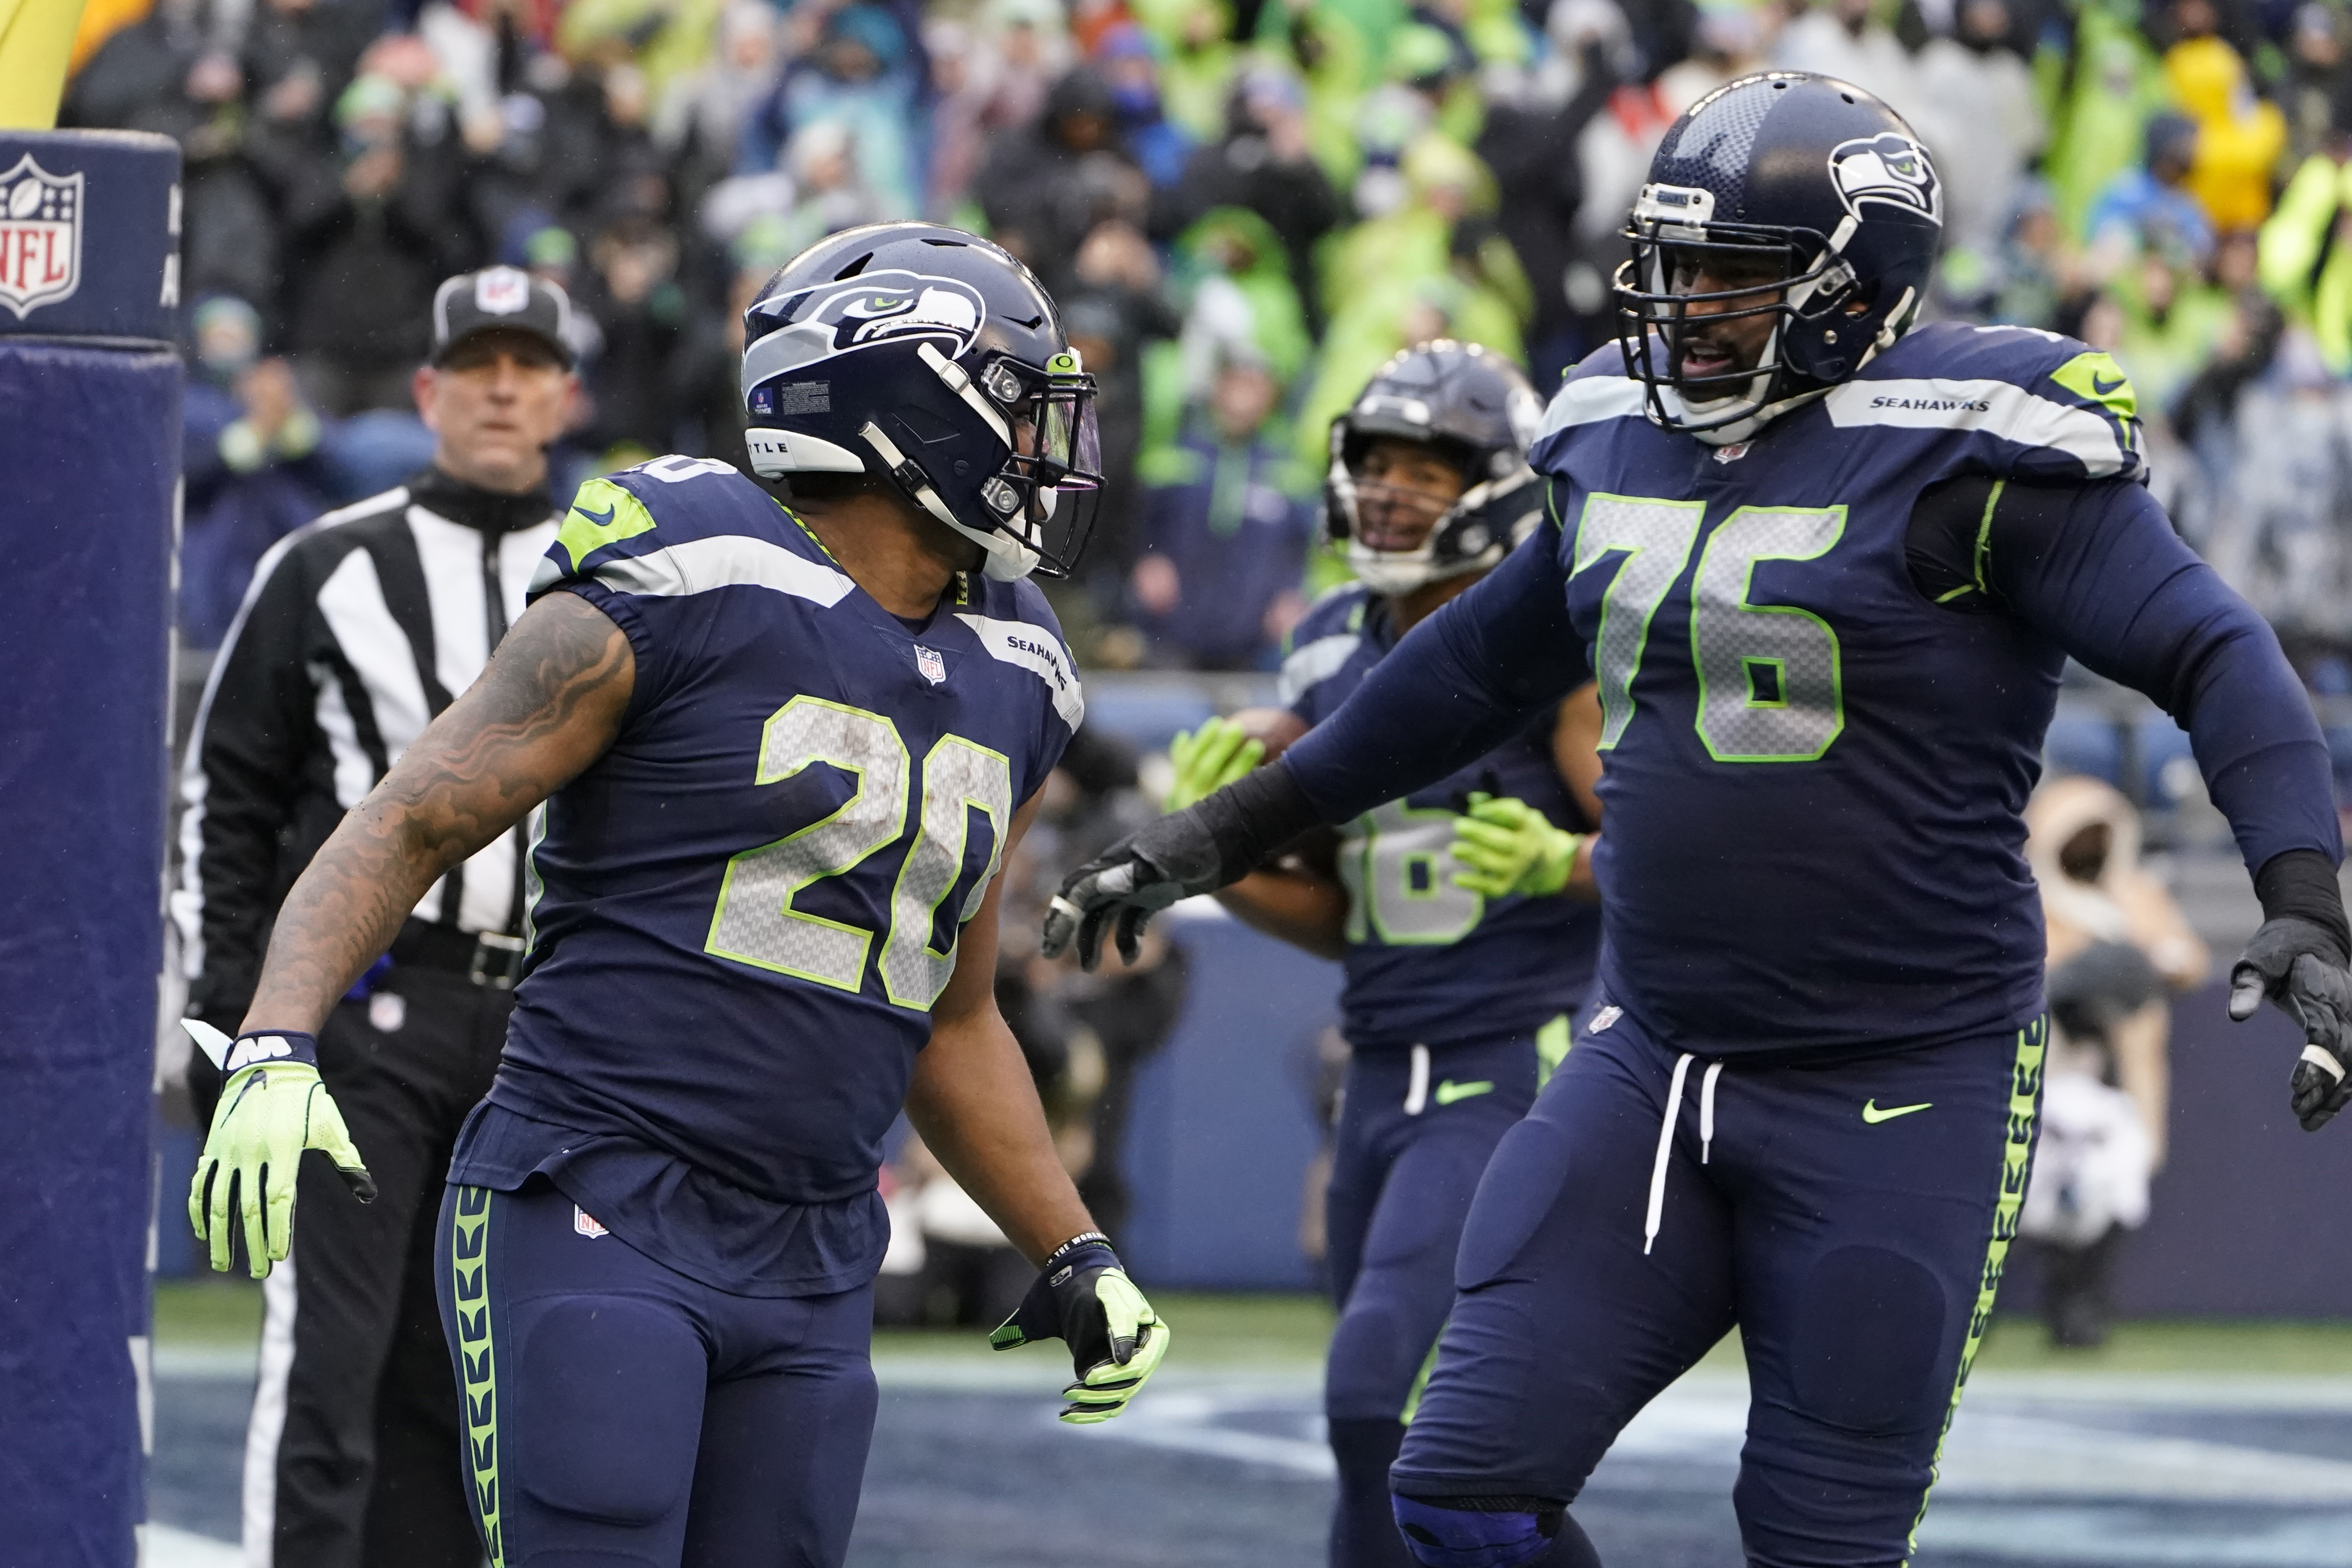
(1255, 816)
(1069, 1250)
(2300, 884)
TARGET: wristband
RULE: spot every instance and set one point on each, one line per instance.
(1084, 1238)
(2300, 884)
(257, 1048)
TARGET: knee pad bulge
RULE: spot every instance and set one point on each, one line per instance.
(1477, 1532)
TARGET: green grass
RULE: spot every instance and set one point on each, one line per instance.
(1217, 1330)
(215, 1313)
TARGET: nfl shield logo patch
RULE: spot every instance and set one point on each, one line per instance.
(934, 669)
(40, 236)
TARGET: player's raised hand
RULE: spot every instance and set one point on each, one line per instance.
(272, 1107)
(1084, 1298)
(1506, 845)
(2299, 964)
(1206, 846)
(1208, 759)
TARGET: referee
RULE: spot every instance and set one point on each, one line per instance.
(358, 630)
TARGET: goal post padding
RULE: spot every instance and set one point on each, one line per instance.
(89, 465)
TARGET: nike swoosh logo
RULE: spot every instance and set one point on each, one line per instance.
(1449, 1091)
(2101, 387)
(1871, 1114)
(604, 517)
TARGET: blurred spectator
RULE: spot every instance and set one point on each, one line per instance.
(2118, 945)
(862, 76)
(2149, 205)
(1228, 514)
(1977, 81)
(1114, 312)
(1263, 165)
(2239, 137)
(1045, 189)
(1159, 146)
(699, 120)
(2317, 96)
(251, 461)
(373, 225)
(641, 312)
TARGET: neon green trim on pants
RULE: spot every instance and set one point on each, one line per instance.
(469, 1233)
(2024, 1103)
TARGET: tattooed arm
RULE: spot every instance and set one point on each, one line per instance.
(549, 704)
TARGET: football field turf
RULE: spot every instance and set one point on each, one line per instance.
(2201, 1445)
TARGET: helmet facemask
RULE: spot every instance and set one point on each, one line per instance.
(1823, 324)
(1463, 534)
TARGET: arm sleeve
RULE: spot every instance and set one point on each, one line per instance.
(2097, 568)
(243, 772)
(1460, 684)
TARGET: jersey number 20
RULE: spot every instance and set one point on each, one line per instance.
(755, 921)
(1771, 689)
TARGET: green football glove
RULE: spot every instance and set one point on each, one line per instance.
(1085, 1299)
(272, 1107)
(1208, 759)
(1506, 845)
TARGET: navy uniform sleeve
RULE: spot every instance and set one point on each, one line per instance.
(1457, 686)
(2098, 569)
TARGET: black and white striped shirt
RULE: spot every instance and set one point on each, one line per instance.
(358, 630)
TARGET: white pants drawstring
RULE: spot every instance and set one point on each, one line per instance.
(1666, 1148)
(1707, 1111)
(1667, 1139)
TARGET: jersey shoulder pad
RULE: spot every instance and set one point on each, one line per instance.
(1014, 624)
(1325, 639)
(1595, 392)
(680, 526)
(2045, 407)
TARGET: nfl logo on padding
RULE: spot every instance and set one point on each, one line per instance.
(934, 669)
(40, 236)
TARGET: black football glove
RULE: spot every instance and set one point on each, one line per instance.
(1198, 849)
(1085, 1299)
(2299, 964)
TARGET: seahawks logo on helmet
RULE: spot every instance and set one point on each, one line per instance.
(1888, 169)
(858, 312)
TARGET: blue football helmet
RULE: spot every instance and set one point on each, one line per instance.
(925, 355)
(1475, 409)
(1808, 182)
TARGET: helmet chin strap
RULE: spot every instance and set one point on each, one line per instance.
(1008, 560)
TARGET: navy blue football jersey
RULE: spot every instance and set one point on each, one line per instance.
(1813, 776)
(1815, 770)
(740, 914)
(1429, 963)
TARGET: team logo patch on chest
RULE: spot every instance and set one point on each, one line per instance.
(930, 664)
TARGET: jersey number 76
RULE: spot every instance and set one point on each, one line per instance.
(1771, 686)
(755, 921)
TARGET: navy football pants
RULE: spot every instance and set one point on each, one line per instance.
(619, 1414)
(1852, 1219)
(1410, 1145)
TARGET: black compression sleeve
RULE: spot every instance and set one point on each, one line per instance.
(2301, 884)
(1457, 686)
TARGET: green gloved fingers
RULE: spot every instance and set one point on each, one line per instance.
(1083, 1298)
(271, 1111)
(1506, 845)
(1208, 759)
(1137, 1342)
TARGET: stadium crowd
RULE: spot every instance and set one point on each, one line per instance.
(1243, 205)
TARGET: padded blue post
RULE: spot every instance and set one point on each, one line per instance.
(89, 462)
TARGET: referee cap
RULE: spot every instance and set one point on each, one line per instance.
(502, 299)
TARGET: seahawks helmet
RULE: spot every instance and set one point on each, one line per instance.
(1813, 184)
(929, 357)
(1478, 411)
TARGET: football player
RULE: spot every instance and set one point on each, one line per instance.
(783, 753)
(1827, 566)
(1462, 911)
